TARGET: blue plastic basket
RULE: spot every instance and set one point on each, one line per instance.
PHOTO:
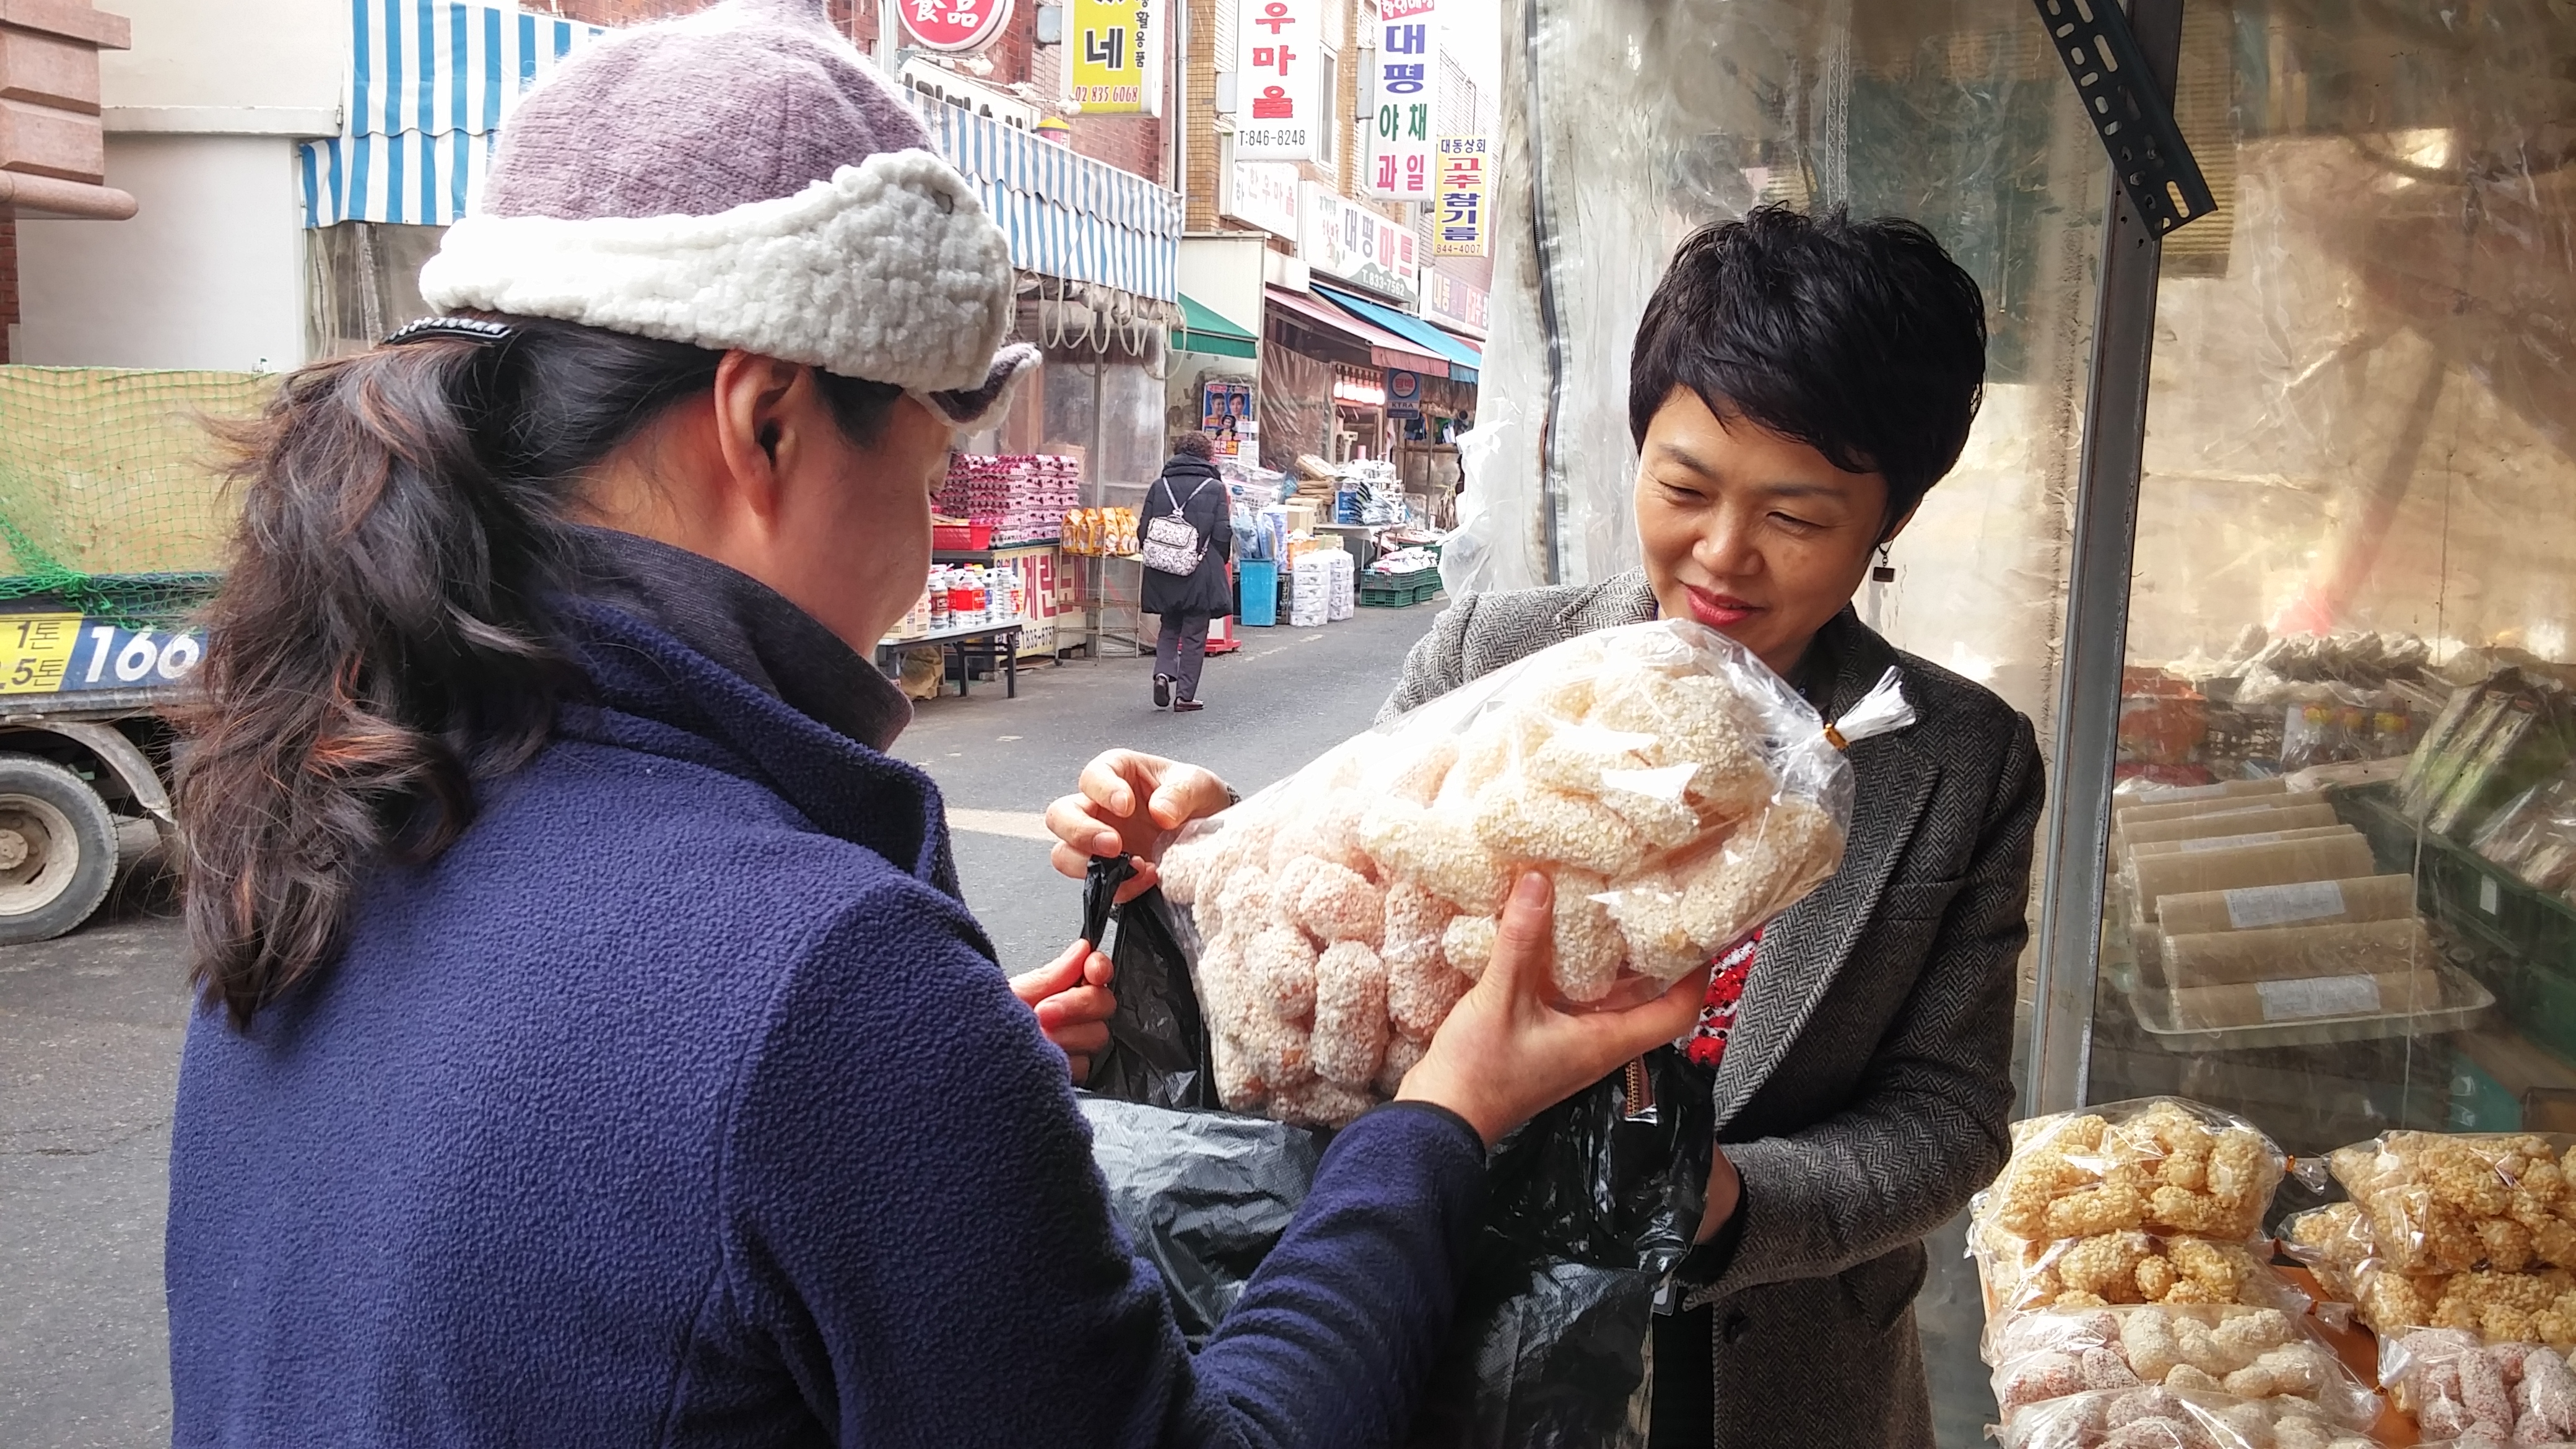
(1260, 578)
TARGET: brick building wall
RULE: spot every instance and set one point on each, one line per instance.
(8, 282)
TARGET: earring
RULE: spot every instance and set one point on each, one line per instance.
(1884, 572)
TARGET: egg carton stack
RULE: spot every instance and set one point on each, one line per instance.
(1342, 571)
(1310, 589)
(1024, 496)
(2459, 1251)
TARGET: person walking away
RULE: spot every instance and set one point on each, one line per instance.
(1191, 492)
(593, 1046)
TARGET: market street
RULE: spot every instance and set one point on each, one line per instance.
(90, 1024)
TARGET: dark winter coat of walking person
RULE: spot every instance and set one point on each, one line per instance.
(593, 1046)
(1189, 602)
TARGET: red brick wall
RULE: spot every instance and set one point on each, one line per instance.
(8, 281)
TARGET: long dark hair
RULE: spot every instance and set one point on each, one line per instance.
(384, 638)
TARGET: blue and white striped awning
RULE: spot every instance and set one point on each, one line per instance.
(1066, 214)
(429, 83)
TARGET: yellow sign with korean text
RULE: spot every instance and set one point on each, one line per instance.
(1114, 49)
(1459, 224)
(35, 650)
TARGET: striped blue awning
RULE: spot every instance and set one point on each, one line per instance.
(1066, 214)
(430, 82)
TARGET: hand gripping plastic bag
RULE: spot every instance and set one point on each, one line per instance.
(2156, 1418)
(2249, 1353)
(1588, 1206)
(1678, 792)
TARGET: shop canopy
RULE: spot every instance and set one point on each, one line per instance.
(431, 81)
(1202, 330)
(1385, 349)
(1463, 359)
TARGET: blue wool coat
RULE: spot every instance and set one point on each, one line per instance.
(682, 1103)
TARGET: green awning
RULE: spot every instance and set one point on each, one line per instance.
(1463, 359)
(1202, 330)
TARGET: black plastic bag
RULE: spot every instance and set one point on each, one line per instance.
(1158, 1043)
(1590, 1205)
(1205, 1195)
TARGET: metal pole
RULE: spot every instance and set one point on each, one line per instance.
(2095, 643)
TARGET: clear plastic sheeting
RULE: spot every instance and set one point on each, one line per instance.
(2356, 538)
(1640, 122)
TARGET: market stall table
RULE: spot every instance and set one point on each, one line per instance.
(989, 643)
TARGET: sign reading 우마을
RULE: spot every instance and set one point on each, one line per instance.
(1116, 50)
(954, 27)
(1407, 97)
(1278, 90)
(1460, 228)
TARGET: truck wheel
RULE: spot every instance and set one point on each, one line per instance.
(57, 849)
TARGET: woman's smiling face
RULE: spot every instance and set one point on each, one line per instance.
(1756, 535)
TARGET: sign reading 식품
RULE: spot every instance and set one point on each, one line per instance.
(954, 27)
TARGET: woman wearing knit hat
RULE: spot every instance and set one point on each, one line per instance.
(593, 1046)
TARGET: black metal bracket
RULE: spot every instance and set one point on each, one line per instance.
(2132, 108)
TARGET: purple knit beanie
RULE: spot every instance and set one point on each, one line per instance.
(743, 178)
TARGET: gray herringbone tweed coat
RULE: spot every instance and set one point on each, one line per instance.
(1866, 1088)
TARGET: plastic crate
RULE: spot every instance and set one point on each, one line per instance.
(2531, 934)
(961, 537)
(1398, 591)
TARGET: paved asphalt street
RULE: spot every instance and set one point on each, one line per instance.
(90, 1024)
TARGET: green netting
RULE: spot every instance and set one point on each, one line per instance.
(112, 491)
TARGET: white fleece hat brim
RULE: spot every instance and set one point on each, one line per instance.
(889, 271)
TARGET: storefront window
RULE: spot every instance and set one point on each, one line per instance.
(2349, 622)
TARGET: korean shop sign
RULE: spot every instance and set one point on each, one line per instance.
(1357, 245)
(1406, 98)
(1277, 70)
(1453, 303)
(954, 27)
(1116, 47)
(1265, 194)
(1460, 227)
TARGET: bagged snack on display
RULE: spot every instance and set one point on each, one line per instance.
(2340, 1244)
(2460, 1390)
(2250, 1353)
(1679, 793)
(2108, 1269)
(2161, 1164)
(2449, 1203)
(2157, 1418)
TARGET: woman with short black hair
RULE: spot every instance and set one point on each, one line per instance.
(1797, 385)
